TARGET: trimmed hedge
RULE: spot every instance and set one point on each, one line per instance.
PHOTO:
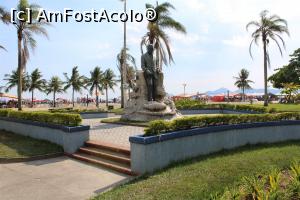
(195, 105)
(44, 117)
(159, 126)
(75, 111)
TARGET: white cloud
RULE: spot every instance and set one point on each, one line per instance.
(188, 39)
(238, 41)
(195, 5)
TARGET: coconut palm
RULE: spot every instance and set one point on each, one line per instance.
(123, 57)
(5, 18)
(13, 80)
(36, 83)
(242, 81)
(55, 85)
(157, 36)
(267, 29)
(26, 41)
(76, 81)
(109, 82)
(95, 83)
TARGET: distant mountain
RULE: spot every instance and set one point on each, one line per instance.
(252, 91)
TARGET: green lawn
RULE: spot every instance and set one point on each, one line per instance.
(17, 146)
(199, 178)
(117, 120)
(283, 107)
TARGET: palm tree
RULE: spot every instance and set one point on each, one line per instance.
(76, 81)
(5, 18)
(95, 83)
(13, 80)
(123, 56)
(36, 83)
(55, 85)
(266, 29)
(242, 81)
(157, 36)
(108, 82)
(25, 32)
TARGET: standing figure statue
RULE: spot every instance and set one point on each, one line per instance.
(150, 72)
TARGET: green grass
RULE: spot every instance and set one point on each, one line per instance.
(116, 120)
(201, 177)
(282, 107)
(17, 146)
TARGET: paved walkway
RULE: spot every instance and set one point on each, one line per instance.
(58, 178)
(112, 133)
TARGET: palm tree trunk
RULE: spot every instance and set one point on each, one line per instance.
(32, 98)
(265, 73)
(97, 101)
(106, 97)
(20, 70)
(73, 98)
(124, 59)
(54, 103)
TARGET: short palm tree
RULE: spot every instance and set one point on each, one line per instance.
(242, 81)
(123, 68)
(95, 83)
(13, 80)
(36, 83)
(55, 85)
(5, 18)
(157, 36)
(267, 29)
(76, 81)
(109, 82)
(25, 33)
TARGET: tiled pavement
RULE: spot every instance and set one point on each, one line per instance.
(112, 133)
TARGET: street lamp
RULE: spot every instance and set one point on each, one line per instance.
(184, 85)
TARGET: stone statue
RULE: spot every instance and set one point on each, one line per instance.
(148, 100)
(150, 73)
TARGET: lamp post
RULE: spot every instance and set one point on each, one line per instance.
(184, 86)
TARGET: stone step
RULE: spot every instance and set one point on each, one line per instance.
(105, 154)
(103, 163)
(108, 146)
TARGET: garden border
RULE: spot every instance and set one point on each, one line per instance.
(152, 153)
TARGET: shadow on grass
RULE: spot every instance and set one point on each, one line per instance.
(18, 146)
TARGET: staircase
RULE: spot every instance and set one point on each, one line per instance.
(105, 155)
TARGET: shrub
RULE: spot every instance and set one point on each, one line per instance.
(4, 112)
(44, 117)
(160, 126)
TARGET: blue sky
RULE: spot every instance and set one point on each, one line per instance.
(213, 51)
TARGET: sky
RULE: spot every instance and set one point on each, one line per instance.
(212, 52)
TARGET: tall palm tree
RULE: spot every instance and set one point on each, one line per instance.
(266, 29)
(242, 81)
(13, 80)
(55, 85)
(157, 36)
(26, 41)
(36, 83)
(123, 57)
(109, 82)
(76, 81)
(5, 18)
(95, 82)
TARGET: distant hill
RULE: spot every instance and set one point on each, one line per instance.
(252, 91)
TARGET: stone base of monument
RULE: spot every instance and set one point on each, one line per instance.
(139, 109)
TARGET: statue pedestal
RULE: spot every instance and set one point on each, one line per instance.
(140, 109)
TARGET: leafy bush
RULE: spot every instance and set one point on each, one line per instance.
(277, 185)
(45, 117)
(160, 126)
(194, 105)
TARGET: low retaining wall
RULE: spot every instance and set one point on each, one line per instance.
(156, 152)
(215, 111)
(70, 138)
(93, 115)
